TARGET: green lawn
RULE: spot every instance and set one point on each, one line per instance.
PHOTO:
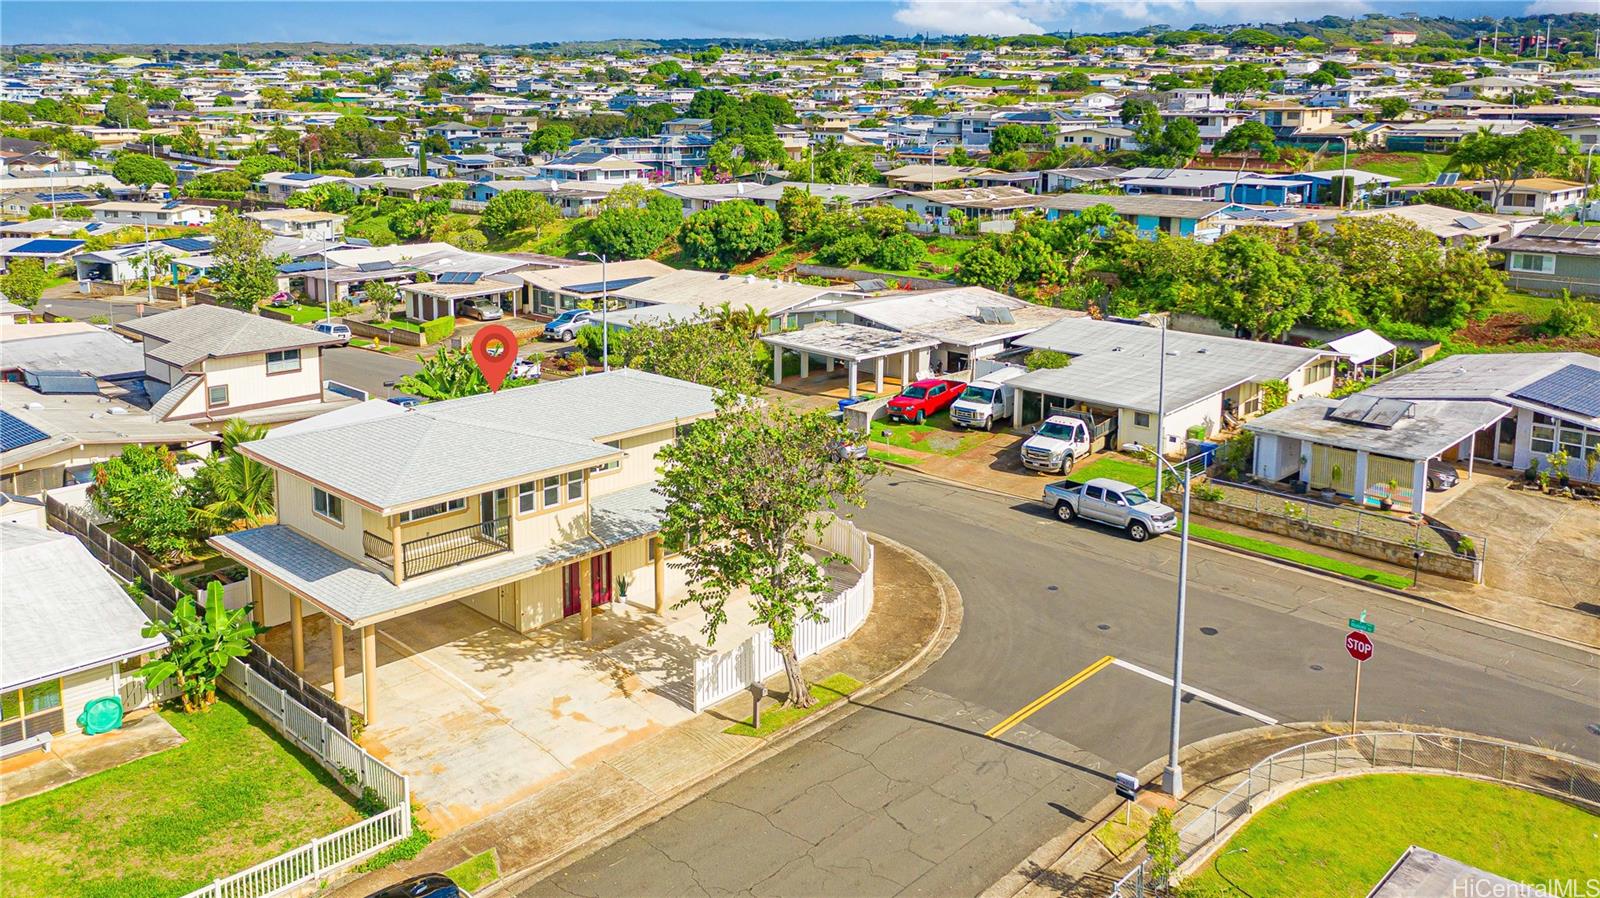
(1410, 168)
(980, 81)
(936, 435)
(374, 228)
(1117, 467)
(826, 693)
(1300, 556)
(475, 873)
(1337, 838)
(365, 343)
(893, 457)
(554, 239)
(302, 314)
(1535, 307)
(235, 794)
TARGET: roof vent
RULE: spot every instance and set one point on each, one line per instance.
(116, 410)
(33, 405)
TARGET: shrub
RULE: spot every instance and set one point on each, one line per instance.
(901, 252)
(1274, 395)
(848, 250)
(1046, 358)
(439, 329)
(1205, 492)
(1569, 318)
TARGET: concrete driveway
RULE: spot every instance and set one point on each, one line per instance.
(1539, 546)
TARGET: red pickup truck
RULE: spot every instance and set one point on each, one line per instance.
(924, 399)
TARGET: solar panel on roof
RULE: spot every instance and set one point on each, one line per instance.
(1372, 411)
(379, 265)
(469, 277)
(1572, 388)
(188, 244)
(1447, 178)
(301, 176)
(172, 204)
(597, 286)
(448, 277)
(1469, 223)
(47, 247)
(16, 433)
(61, 383)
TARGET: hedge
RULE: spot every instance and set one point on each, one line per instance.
(437, 330)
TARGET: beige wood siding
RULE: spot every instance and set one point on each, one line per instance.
(540, 599)
(249, 384)
(81, 688)
(295, 510)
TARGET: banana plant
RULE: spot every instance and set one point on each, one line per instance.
(200, 642)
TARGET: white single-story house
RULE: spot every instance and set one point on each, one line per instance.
(69, 635)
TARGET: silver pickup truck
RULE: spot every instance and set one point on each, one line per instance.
(1113, 503)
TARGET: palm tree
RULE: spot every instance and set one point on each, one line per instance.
(749, 320)
(236, 490)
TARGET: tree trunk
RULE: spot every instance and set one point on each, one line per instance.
(799, 693)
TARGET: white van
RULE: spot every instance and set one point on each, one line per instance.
(987, 400)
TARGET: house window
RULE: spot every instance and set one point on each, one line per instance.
(552, 492)
(574, 486)
(528, 497)
(327, 505)
(217, 395)
(1141, 419)
(434, 510)
(283, 361)
(1536, 263)
(32, 710)
(614, 463)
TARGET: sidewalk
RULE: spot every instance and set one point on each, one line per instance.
(600, 802)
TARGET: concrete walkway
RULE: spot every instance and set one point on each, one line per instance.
(640, 779)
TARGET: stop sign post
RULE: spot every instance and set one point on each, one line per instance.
(1359, 645)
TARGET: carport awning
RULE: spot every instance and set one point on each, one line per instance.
(849, 342)
(359, 595)
(1361, 347)
(1435, 426)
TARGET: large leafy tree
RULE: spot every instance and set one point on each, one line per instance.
(143, 170)
(200, 645)
(330, 197)
(552, 139)
(1250, 137)
(1253, 286)
(1504, 159)
(633, 223)
(140, 490)
(450, 374)
(514, 210)
(729, 233)
(800, 211)
(24, 282)
(1170, 144)
(243, 272)
(747, 496)
(723, 354)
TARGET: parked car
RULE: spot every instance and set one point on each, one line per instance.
(528, 367)
(428, 885)
(405, 400)
(334, 329)
(1113, 503)
(485, 311)
(986, 400)
(923, 400)
(1442, 475)
(851, 447)
(280, 299)
(1057, 444)
(565, 326)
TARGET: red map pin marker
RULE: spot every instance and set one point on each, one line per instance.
(494, 348)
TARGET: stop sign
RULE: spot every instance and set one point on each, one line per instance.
(1358, 645)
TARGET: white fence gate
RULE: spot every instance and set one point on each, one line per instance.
(718, 676)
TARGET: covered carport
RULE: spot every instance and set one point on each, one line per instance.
(854, 345)
(435, 299)
(1355, 445)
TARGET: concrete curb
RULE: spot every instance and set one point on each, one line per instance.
(944, 635)
(1304, 568)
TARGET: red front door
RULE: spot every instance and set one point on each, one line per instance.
(572, 584)
(600, 573)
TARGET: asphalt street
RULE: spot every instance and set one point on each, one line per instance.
(365, 369)
(82, 308)
(906, 796)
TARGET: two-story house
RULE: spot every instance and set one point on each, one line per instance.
(529, 506)
(157, 215)
(206, 364)
(302, 224)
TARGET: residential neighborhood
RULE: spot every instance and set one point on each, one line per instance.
(975, 448)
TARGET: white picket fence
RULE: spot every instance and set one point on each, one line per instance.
(720, 675)
(347, 761)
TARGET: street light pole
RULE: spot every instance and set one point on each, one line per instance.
(149, 283)
(1172, 774)
(605, 312)
(1161, 404)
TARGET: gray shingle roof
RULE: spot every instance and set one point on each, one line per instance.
(1435, 427)
(170, 400)
(201, 331)
(358, 594)
(459, 446)
(59, 610)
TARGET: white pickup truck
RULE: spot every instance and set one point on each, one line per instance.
(1056, 444)
(1113, 503)
(986, 400)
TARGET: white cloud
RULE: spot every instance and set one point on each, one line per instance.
(1552, 7)
(979, 16)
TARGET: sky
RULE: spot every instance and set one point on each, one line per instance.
(530, 21)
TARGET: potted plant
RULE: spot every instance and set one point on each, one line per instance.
(1300, 483)
(1560, 462)
(1390, 490)
(1335, 474)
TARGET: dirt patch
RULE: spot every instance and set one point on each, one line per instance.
(1512, 328)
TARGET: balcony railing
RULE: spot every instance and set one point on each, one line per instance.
(378, 548)
(453, 547)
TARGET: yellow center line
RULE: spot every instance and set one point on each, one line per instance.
(1027, 710)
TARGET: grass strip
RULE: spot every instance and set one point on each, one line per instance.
(1299, 556)
(476, 872)
(825, 693)
(892, 457)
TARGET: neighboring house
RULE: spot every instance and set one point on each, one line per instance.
(1149, 215)
(47, 251)
(54, 432)
(69, 634)
(1526, 196)
(594, 166)
(1209, 381)
(915, 177)
(1060, 180)
(171, 214)
(529, 506)
(206, 364)
(1554, 399)
(280, 185)
(990, 207)
(303, 224)
(1549, 258)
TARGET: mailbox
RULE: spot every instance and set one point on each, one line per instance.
(1127, 786)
